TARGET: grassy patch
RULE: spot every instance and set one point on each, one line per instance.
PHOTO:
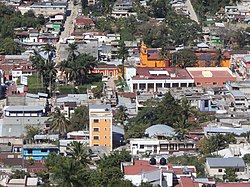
(70, 89)
(34, 81)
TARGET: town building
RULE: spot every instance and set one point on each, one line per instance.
(150, 57)
(153, 79)
(38, 151)
(89, 47)
(216, 167)
(107, 70)
(100, 126)
(45, 8)
(84, 23)
(158, 146)
(210, 76)
(157, 171)
(16, 118)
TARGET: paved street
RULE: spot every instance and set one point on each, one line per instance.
(190, 8)
(68, 25)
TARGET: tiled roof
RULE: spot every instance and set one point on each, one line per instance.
(186, 182)
(83, 21)
(106, 66)
(139, 167)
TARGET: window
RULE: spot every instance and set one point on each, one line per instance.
(141, 146)
(44, 150)
(96, 137)
(29, 151)
(96, 129)
(220, 170)
(198, 84)
(105, 137)
(105, 128)
(96, 120)
(96, 145)
(215, 83)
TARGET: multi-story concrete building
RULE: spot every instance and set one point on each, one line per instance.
(211, 76)
(16, 118)
(38, 151)
(156, 146)
(46, 9)
(100, 126)
(153, 79)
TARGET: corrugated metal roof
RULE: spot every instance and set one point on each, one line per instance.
(225, 162)
(160, 130)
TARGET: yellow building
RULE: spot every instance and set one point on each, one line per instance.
(150, 57)
(100, 126)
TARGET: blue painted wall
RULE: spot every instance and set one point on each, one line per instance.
(37, 154)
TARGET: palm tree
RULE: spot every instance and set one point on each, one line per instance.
(186, 109)
(78, 69)
(50, 72)
(123, 54)
(181, 128)
(70, 173)
(79, 153)
(45, 68)
(39, 64)
(49, 49)
(121, 114)
(59, 122)
(72, 52)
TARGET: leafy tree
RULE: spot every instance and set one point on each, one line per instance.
(59, 122)
(135, 130)
(31, 131)
(186, 58)
(19, 174)
(79, 152)
(109, 168)
(230, 175)
(79, 119)
(197, 161)
(10, 46)
(97, 91)
(120, 183)
(121, 114)
(215, 143)
(246, 158)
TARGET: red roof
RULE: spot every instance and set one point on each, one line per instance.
(83, 21)
(106, 66)
(177, 73)
(219, 73)
(186, 182)
(131, 95)
(179, 171)
(138, 167)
